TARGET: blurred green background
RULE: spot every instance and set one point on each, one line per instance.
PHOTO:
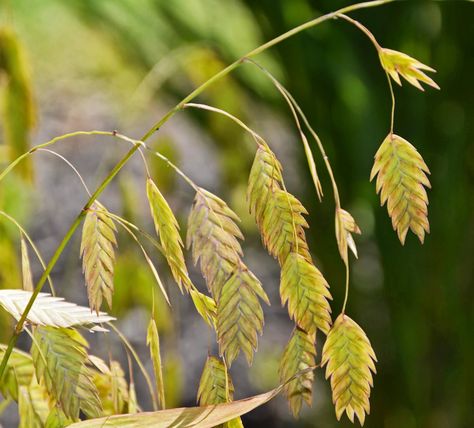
(120, 64)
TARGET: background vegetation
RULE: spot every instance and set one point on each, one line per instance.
(118, 64)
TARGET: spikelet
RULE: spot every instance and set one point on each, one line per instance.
(307, 294)
(167, 228)
(19, 372)
(50, 311)
(278, 213)
(283, 226)
(111, 386)
(350, 359)
(206, 307)
(216, 387)
(59, 356)
(402, 173)
(33, 406)
(399, 64)
(279, 216)
(153, 342)
(25, 266)
(299, 354)
(345, 227)
(214, 237)
(98, 255)
(265, 177)
(240, 315)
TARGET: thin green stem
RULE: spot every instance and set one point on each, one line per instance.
(70, 165)
(138, 361)
(363, 28)
(147, 135)
(258, 50)
(294, 105)
(48, 143)
(291, 101)
(392, 94)
(256, 136)
(346, 295)
(372, 38)
(55, 257)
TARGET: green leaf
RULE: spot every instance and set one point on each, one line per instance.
(59, 356)
(307, 292)
(299, 354)
(153, 341)
(167, 228)
(98, 255)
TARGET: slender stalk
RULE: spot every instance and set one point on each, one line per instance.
(55, 257)
(372, 38)
(147, 135)
(256, 136)
(139, 362)
(346, 294)
(48, 143)
(70, 165)
(258, 50)
(363, 28)
(392, 94)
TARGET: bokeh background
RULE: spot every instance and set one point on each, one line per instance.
(120, 64)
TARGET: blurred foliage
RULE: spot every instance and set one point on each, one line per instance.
(414, 302)
(18, 106)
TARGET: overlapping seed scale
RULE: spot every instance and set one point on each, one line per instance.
(345, 226)
(240, 315)
(214, 239)
(399, 64)
(401, 177)
(307, 292)
(299, 354)
(66, 376)
(98, 255)
(212, 386)
(265, 176)
(167, 228)
(283, 226)
(350, 362)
